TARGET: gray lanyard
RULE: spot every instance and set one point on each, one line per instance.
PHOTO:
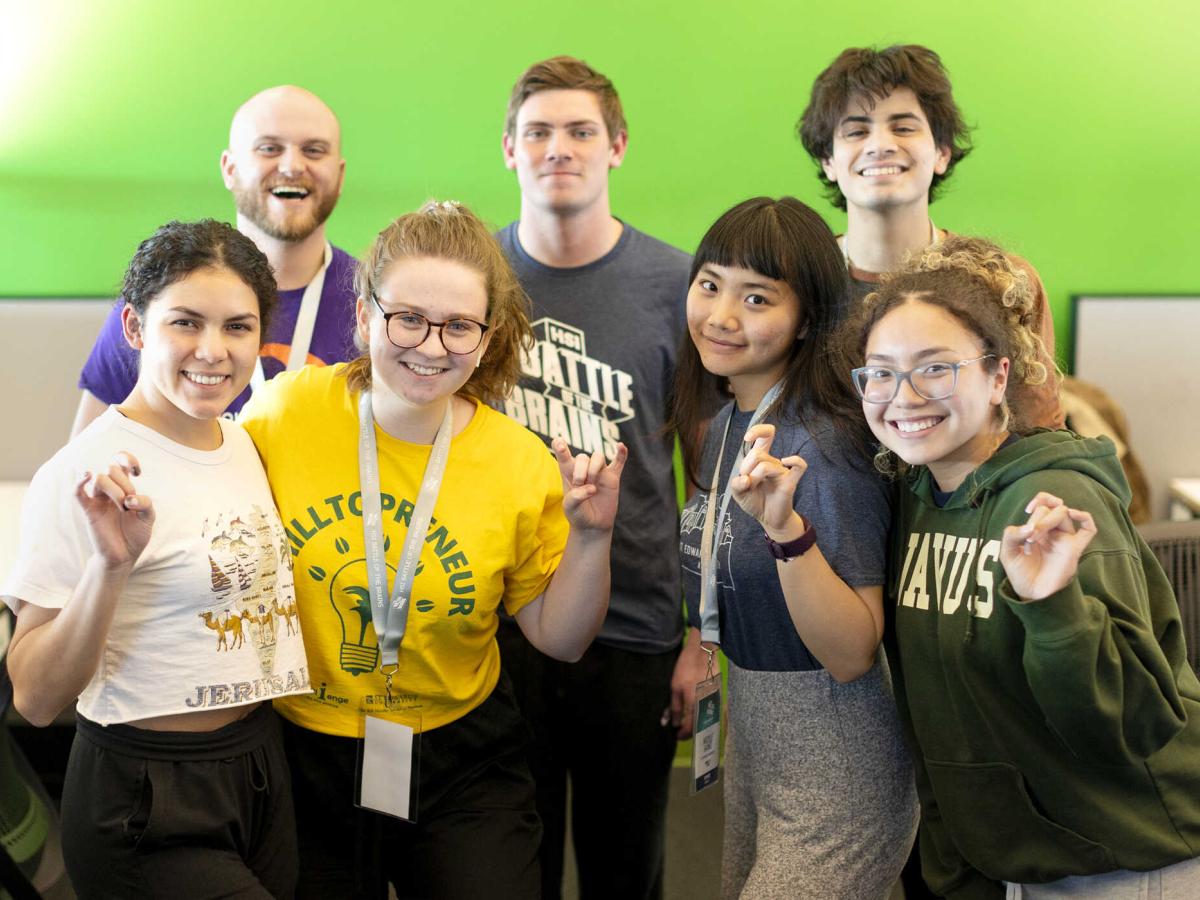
(710, 615)
(391, 618)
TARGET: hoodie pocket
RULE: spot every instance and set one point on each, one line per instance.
(991, 819)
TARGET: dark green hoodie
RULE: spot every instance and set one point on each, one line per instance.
(1054, 738)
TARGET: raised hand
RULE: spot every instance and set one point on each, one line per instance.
(590, 487)
(764, 486)
(1041, 557)
(119, 518)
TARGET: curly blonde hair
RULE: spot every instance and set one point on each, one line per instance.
(991, 295)
(448, 230)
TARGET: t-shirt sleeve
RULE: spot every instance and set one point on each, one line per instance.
(54, 542)
(259, 414)
(111, 369)
(541, 538)
(850, 508)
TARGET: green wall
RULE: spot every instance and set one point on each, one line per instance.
(114, 113)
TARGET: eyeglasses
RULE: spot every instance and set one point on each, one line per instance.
(935, 381)
(410, 329)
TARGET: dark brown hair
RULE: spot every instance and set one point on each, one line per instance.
(785, 240)
(448, 230)
(177, 249)
(566, 73)
(870, 75)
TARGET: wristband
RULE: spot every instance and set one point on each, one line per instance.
(793, 548)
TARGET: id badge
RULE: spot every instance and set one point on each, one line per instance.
(706, 741)
(389, 765)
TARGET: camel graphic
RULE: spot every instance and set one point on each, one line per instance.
(265, 621)
(232, 623)
(287, 613)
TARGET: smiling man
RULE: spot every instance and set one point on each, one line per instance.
(284, 168)
(608, 312)
(886, 133)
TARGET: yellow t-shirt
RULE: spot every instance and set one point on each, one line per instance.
(498, 532)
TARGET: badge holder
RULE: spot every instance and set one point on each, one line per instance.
(706, 738)
(388, 765)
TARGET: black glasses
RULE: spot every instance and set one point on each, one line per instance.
(935, 381)
(410, 329)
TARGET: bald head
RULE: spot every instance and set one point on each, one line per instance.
(287, 103)
(284, 163)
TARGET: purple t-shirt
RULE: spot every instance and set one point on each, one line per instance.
(111, 369)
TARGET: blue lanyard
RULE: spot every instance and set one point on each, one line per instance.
(391, 618)
(710, 615)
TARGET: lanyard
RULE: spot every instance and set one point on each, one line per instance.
(710, 615)
(391, 618)
(306, 320)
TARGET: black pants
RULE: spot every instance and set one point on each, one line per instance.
(600, 720)
(477, 833)
(179, 814)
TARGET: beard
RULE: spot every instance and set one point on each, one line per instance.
(254, 202)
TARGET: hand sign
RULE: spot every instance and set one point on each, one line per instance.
(590, 488)
(120, 519)
(1041, 557)
(764, 486)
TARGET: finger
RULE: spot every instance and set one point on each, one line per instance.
(758, 432)
(1087, 527)
(120, 476)
(618, 464)
(82, 487)
(103, 486)
(1048, 521)
(562, 455)
(754, 458)
(128, 462)
(595, 466)
(142, 505)
(769, 470)
(674, 712)
(576, 496)
(579, 470)
(796, 467)
(1043, 499)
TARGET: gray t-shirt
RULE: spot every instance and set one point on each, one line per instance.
(601, 372)
(848, 504)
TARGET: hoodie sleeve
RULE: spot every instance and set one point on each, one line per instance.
(1094, 652)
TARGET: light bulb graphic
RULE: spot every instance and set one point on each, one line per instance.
(351, 600)
(350, 597)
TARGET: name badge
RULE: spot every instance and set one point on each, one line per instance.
(387, 770)
(706, 742)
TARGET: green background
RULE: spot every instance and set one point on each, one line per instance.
(114, 114)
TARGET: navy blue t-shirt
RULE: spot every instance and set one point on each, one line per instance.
(849, 506)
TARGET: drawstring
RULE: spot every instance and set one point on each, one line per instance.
(259, 779)
(985, 505)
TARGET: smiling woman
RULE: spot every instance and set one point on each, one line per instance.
(417, 512)
(152, 555)
(1026, 603)
(819, 791)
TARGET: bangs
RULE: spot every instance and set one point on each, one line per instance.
(747, 237)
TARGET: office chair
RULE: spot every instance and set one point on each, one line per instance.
(1177, 546)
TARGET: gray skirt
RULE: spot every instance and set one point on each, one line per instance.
(819, 793)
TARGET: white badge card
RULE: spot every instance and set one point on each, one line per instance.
(706, 742)
(388, 767)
